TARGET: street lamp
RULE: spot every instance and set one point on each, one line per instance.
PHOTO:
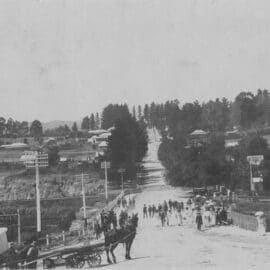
(34, 159)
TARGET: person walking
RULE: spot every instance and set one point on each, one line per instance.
(162, 217)
(145, 211)
(150, 211)
(179, 215)
(199, 221)
(154, 210)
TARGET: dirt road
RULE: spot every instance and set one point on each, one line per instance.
(183, 247)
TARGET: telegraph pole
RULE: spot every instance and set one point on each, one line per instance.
(83, 195)
(81, 177)
(122, 171)
(36, 160)
(38, 199)
(19, 226)
(106, 165)
(106, 182)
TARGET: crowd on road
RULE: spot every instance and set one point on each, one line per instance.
(193, 211)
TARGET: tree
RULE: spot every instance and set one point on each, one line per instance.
(58, 131)
(139, 112)
(2, 126)
(244, 110)
(10, 126)
(146, 113)
(74, 127)
(36, 130)
(23, 128)
(52, 150)
(134, 112)
(128, 144)
(97, 121)
(85, 123)
(113, 113)
(92, 122)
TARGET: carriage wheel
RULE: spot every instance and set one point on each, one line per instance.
(94, 260)
(70, 262)
(75, 262)
(79, 262)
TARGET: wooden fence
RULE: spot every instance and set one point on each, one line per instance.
(244, 221)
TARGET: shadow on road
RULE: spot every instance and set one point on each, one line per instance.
(135, 258)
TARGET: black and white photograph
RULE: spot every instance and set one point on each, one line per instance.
(135, 134)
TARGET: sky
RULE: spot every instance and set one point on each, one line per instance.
(63, 59)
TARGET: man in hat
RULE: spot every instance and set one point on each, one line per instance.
(32, 256)
(199, 221)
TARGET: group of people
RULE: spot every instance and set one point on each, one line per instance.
(165, 211)
(175, 212)
(124, 203)
(207, 213)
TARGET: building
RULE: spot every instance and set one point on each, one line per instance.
(232, 138)
(198, 138)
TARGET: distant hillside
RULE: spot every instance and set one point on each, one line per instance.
(57, 123)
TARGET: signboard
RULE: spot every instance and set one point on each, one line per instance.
(255, 160)
(108, 165)
(257, 179)
(30, 157)
(121, 170)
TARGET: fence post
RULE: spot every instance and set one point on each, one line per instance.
(64, 237)
(47, 240)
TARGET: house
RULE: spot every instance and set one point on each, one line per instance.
(232, 138)
(103, 146)
(103, 137)
(97, 132)
(15, 146)
(198, 138)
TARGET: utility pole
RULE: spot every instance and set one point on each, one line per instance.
(81, 177)
(36, 160)
(19, 226)
(38, 200)
(122, 171)
(251, 178)
(106, 165)
(83, 195)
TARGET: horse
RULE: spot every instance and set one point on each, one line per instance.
(124, 235)
(107, 219)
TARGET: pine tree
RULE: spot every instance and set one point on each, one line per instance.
(139, 112)
(134, 112)
(146, 113)
(86, 123)
(97, 121)
(92, 122)
(74, 127)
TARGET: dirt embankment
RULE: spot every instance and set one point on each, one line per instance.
(21, 186)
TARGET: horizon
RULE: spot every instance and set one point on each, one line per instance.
(100, 52)
(78, 121)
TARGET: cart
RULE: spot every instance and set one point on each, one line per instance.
(75, 257)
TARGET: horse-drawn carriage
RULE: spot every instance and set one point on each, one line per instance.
(75, 257)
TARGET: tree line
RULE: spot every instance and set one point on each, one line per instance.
(212, 163)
